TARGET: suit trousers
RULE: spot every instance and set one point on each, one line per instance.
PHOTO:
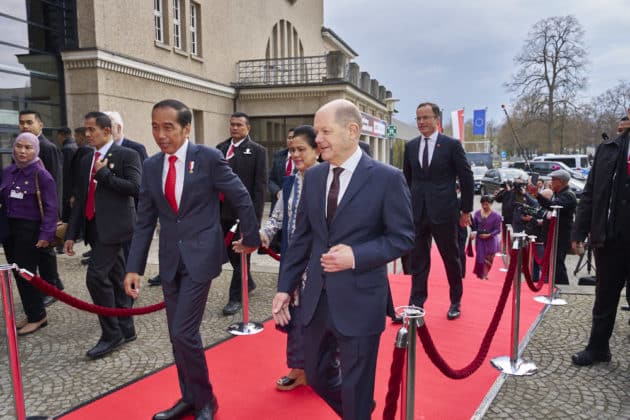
(48, 267)
(341, 369)
(613, 268)
(236, 289)
(185, 300)
(445, 235)
(295, 341)
(19, 248)
(105, 282)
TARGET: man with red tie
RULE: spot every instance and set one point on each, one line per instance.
(109, 179)
(602, 215)
(181, 187)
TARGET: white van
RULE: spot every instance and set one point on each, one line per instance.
(577, 162)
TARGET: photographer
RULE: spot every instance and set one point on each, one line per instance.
(508, 195)
(562, 196)
(526, 209)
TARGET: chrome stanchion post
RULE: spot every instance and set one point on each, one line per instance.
(512, 364)
(551, 298)
(413, 317)
(14, 357)
(532, 253)
(245, 327)
(402, 338)
(506, 255)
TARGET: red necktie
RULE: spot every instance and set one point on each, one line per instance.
(89, 202)
(169, 185)
(628, 165)
(289, 169)
(230, 152)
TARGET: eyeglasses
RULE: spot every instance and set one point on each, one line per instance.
(425, 118)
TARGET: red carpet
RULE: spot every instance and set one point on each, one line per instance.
(249, 391)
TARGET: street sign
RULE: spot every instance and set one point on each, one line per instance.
(391, 131)
(503, 154)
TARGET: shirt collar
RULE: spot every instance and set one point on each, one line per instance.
(181, 152)
(351, 163)
(238, 143)
(103, 150)
(432, 138)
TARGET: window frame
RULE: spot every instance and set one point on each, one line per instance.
(177, 24)
(194, 29)
(158, 21)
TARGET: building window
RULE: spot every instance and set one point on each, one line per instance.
(158, 19)
(194, 29)
(177, 24)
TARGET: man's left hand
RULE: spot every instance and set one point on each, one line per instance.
(239, 247)
(464, 220)
(338, 258)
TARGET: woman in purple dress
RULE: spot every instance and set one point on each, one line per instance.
(486, 227)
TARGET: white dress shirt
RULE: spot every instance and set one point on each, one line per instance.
(180, 171)
(349, 166)
(432, 141)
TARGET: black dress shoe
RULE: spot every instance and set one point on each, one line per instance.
(397, 319)
(588, 357)
(130, 337)
(48, 300)
(453, 312)
(103, 348)
(179, 410)
(231, 308)
(155, 281)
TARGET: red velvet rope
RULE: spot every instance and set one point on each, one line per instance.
(395, 380)
(436, 358)
(544, 263)
(89, 307)
(271, 253)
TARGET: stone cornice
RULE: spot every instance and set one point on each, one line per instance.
(289, 92)
(89, 59)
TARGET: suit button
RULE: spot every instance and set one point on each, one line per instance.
(180, 241)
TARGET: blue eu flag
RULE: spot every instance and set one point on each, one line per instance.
(479, 122)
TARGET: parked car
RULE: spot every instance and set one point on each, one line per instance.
(578, 163)
(478, 173)
(494, 179)
(547, 167)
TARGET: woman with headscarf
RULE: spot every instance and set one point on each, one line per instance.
(31, 226)
(304, 152)
(486, 226)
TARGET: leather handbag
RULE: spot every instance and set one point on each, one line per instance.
(60, 233)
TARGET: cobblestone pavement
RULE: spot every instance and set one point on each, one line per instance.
(57, 376)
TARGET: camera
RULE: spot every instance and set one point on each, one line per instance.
(527, 210)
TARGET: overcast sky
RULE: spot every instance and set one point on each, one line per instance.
(460, 53)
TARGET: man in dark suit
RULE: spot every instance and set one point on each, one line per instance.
(50, 155)
(68, 150)
(109, 180)
(184, 196)
(432, 164)
(281, 166)
(248, 160)
(354, 217)
(119, 136)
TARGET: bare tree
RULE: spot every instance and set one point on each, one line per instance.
(551, 69)
(610, 106)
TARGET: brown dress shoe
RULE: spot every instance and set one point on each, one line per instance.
(31, 327)
(291, 381)
(21, 323)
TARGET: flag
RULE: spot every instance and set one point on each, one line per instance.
(479, 122)
(457, 121)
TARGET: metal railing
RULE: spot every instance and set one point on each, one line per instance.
(282, 71)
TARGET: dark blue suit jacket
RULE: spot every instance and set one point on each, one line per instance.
(374, 218)
(138, 147)
(193, 234)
